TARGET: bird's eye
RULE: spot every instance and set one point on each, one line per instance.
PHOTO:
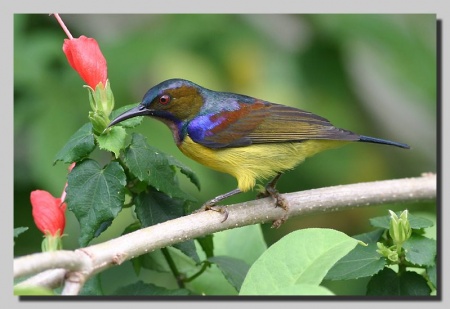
(164, 99)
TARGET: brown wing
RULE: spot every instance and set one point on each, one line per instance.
(285, 124)
(263, 122)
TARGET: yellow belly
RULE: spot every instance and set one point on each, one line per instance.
(260, 161)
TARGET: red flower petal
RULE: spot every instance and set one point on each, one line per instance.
(85, 57)
(48, 212)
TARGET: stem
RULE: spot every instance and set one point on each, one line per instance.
(63, 195)
(178, 276)
(401, 268)
(205, 265)
(128, 205)
(63, 26)
(399, 249)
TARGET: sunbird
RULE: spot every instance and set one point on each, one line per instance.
(248, 138)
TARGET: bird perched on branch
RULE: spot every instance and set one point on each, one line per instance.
(245, 137)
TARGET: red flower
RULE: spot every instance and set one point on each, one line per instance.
(48, 212)
(85, 57)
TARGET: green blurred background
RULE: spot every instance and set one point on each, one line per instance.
(372, 74)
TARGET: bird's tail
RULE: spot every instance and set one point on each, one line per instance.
(368, 139)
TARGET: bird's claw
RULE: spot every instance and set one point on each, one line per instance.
(278, 222)
(211, 206)
(280, 201)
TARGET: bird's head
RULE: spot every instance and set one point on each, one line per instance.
(174, 100)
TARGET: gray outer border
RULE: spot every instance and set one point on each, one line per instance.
(199, 6)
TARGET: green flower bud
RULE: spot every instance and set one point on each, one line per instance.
(382, 249)
(393, 257)
(51, 242)
(99, 121)
(399, 227)
(101, 99)
(390, 253)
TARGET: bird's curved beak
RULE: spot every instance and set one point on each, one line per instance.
(139, 110)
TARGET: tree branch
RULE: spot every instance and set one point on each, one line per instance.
(85, 262)
(38, 262)
(50, 279)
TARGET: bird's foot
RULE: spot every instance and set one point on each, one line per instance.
(275, 194)
(278, 222)
(210, 205)
(280, 201)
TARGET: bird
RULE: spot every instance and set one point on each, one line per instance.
(248, 138)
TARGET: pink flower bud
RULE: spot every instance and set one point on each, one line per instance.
(48, 212)
(85, 57)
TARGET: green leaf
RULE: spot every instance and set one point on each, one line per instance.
(153, 260)
(32, 291)
(153, 207)
(153, 166)
(19, 230)
(233, 269)
(301, 257)
(370, 237)
(419, 222)
(95, 195)
(388, 283)
(207, 244)
(414, 221)
(156, 261)
(188, 248)
(141, 288)
(132, 227)
(420, 250)
(79, 146)
(92, 286)
(362, 261)
(113, 141)
(303, 289)
(129, 123)
(245, 243)
(184, 170)
(211, 282)
(432, 274)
